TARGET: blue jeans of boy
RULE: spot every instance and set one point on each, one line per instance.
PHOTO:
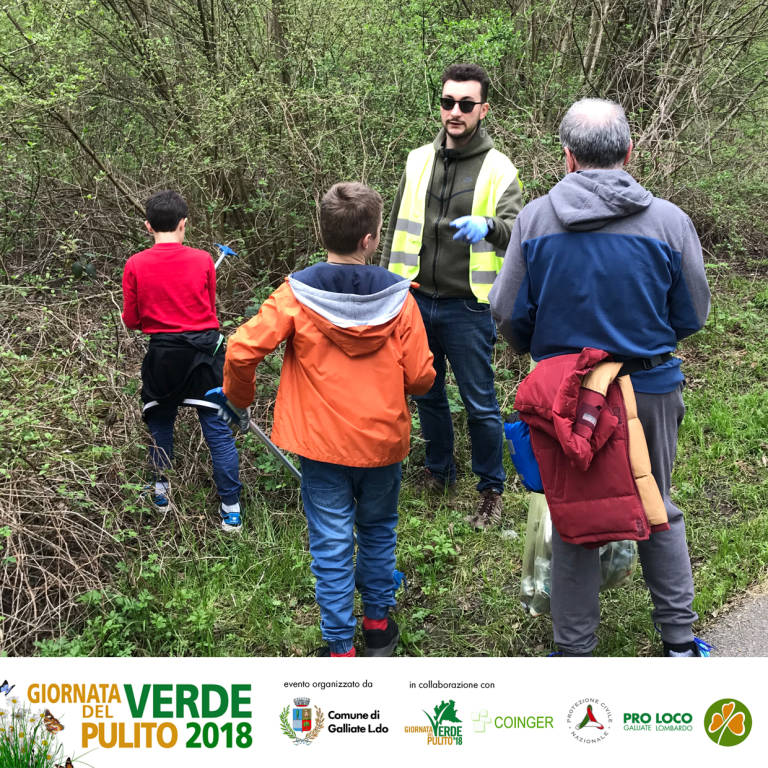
(463, 332)
(337, 500)
(218, 436)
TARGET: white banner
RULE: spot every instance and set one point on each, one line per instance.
(155, 713)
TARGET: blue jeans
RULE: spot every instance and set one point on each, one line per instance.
(463, 331)
(218, 436)
(337, 499)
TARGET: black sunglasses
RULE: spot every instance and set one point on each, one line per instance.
(448, 103)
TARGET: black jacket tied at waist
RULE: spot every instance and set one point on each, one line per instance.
(179, 368)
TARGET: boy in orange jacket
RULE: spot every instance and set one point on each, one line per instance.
(356, 347)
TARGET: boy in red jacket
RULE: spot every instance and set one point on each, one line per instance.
(356, 346)
(169, 293)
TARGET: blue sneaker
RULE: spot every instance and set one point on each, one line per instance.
(230, 517)
(695, 648)
(157, 493)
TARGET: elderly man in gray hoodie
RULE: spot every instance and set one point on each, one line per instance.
(600, 262)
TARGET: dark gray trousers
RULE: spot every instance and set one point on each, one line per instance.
(575, 602)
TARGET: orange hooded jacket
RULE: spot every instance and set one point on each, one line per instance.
(349, 362)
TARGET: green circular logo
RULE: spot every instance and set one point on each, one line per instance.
(728, 722)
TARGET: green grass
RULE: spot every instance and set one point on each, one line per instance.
(173, 584)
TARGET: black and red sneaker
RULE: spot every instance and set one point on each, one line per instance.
(381, 642)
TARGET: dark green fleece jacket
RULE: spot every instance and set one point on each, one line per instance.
(443, 261)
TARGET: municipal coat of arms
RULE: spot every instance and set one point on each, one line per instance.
(296, 721)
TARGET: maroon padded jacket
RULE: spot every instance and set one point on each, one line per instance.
(589, 485)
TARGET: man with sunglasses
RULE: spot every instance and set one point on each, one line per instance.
(450, 225)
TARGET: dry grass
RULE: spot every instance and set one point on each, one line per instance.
(51, 557)
(73, 457)
(61, 503)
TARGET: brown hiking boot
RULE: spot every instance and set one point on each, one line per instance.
(433, 484)
(488, 510)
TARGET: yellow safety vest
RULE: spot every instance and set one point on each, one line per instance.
(496, 174)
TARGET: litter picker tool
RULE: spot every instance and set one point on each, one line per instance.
(224, 251)
(274, 450)
(217, 396)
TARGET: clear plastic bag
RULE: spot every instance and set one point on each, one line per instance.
(617, 563)
(537, 557)
(618, 560)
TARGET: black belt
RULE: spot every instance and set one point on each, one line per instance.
(635, 364)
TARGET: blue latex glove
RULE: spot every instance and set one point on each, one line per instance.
(231, 415)
(472, 229)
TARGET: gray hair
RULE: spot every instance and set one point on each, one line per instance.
(596, 131)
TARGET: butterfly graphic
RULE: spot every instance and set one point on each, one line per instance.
(52, 725)
(5, 688)
(68, 764)
(727, 720)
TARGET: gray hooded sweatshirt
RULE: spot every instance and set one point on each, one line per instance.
(600, 262)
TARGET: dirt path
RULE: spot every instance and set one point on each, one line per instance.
(743, 629)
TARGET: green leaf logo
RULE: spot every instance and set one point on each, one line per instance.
(444, 712)
(728, 722)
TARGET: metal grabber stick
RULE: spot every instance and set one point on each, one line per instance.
(224, 251)
(274, 450)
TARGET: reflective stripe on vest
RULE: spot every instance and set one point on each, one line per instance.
(496, 174)
(406, 242)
